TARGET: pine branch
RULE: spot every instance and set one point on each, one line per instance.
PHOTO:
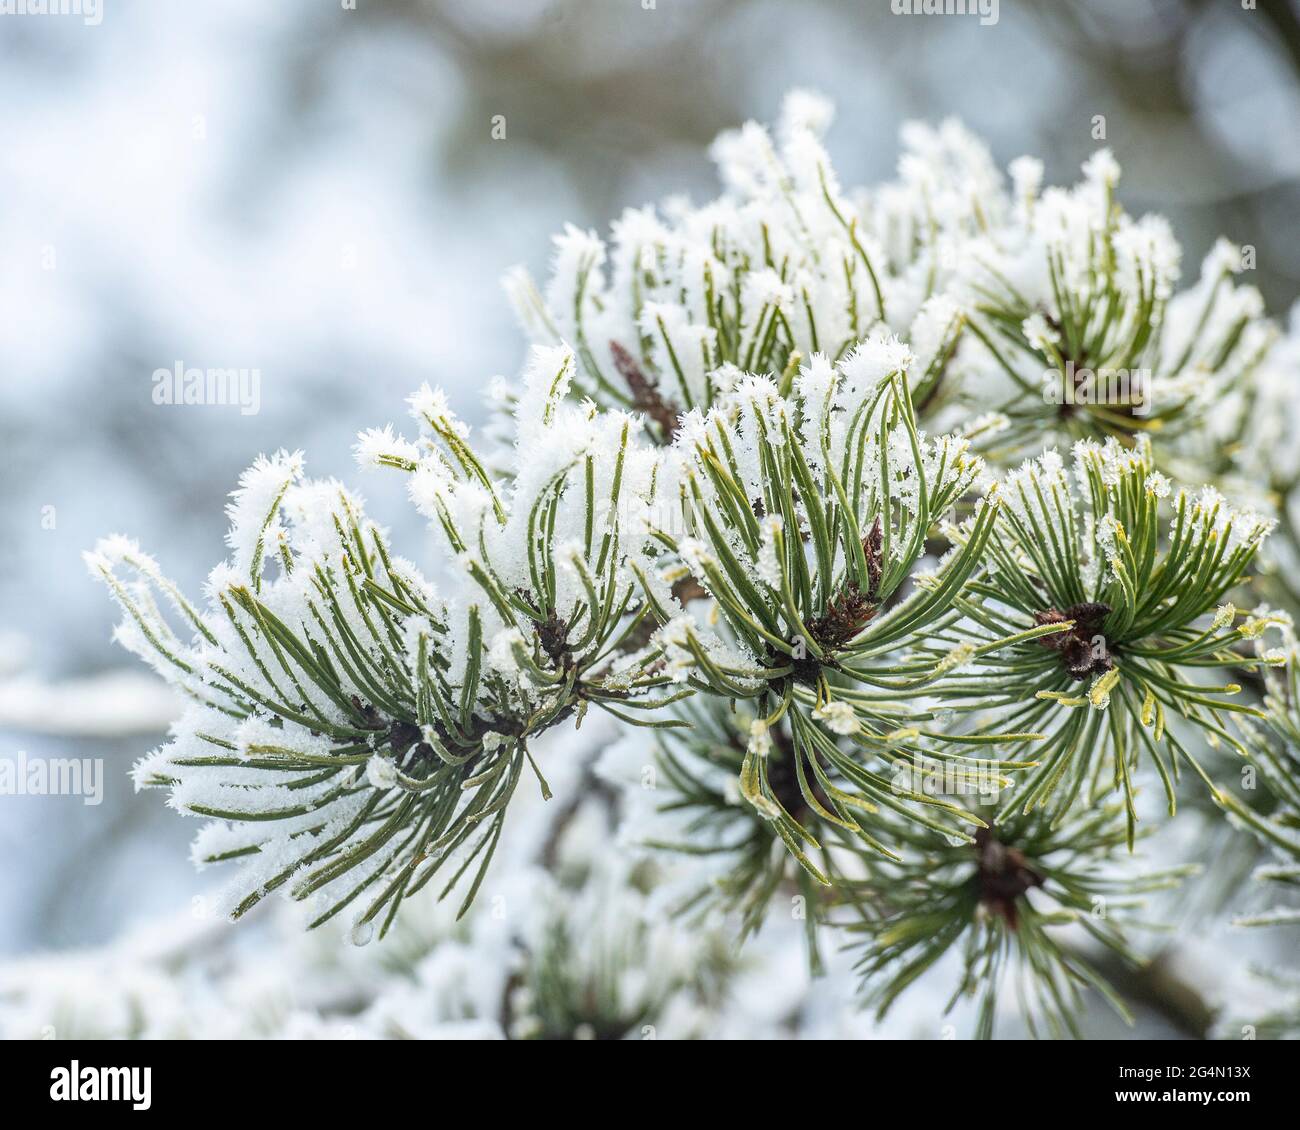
(715, 511)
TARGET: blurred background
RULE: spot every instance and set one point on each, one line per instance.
(313, 189)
